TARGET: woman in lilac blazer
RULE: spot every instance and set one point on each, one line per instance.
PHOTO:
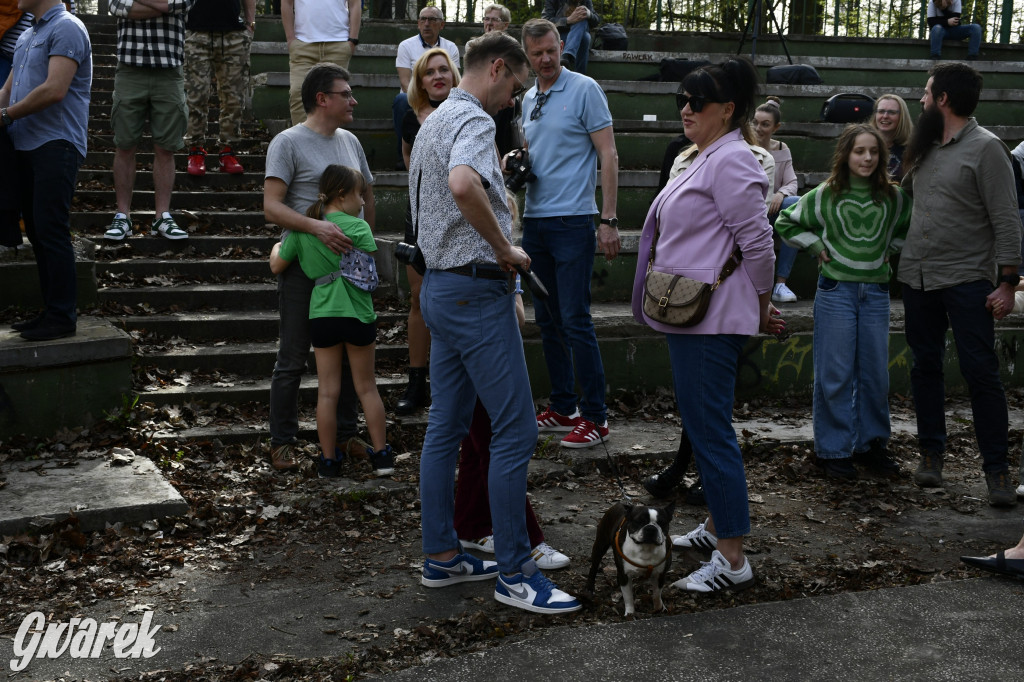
(716, 205)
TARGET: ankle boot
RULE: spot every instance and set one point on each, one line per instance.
(417, 393)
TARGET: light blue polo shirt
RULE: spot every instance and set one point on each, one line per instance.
(56, 33)
(563, 155)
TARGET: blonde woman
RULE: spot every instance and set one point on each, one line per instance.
(891, 118)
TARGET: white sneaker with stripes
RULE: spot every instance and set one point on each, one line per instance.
(698, 538)
(716, 575)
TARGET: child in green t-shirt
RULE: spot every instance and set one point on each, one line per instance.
(341, 317)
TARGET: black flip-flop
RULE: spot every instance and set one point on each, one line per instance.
(998, 564)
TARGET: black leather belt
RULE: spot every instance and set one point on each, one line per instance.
(485, 272)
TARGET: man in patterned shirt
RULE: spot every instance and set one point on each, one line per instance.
(465, 232)
(148, 85)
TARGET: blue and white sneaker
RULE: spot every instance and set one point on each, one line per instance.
(536, 593)
(463, 568)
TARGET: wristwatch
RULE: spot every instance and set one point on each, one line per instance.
(611, 222)
(1013, 280)
(5, 117)
(354, 41)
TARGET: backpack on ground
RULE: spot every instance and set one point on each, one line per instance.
(793, 74)
(611, 37)
(674, 70)
(847, 107)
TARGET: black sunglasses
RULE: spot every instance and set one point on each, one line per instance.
(542, 98)
(696, 102)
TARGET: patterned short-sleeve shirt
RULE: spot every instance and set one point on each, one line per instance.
(458, 133)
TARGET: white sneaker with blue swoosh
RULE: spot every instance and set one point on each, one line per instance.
(463, 568)
(534, 593)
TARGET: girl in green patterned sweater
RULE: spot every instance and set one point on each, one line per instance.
(853, 223)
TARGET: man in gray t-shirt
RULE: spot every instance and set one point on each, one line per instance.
(295, 160)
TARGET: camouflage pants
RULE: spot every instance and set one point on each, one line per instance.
(224, 57)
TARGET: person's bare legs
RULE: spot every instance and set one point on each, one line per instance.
(163, 179)
(124, 179)
(328, 378)
(361, 364)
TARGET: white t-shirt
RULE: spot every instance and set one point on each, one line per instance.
(411, 49)
(321, 21)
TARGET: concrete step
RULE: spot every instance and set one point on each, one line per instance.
(170, 269)
(198, 246)
(246, 390)
(244, 359)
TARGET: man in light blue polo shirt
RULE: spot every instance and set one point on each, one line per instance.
(44, 107)
(569, 128)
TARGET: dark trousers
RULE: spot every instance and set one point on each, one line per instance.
(928, 315)
(10, 208)
(46, 183)
(472, 503)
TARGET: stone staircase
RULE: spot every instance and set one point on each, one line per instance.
(202, 312)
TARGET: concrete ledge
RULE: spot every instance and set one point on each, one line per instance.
(95, 491)
(67, 382)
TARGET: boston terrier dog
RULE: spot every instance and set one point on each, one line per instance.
(643, 549)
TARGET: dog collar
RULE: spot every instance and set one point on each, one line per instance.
(617, 544)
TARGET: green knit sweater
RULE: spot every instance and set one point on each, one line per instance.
(859, 233)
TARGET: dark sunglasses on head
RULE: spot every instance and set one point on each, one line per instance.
(696, 102)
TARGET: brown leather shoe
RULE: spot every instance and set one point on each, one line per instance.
(356, 448)
(281, 458)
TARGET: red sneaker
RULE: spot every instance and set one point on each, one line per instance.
(586, 434)
(229, 163)
(551, 421)
(197, 161)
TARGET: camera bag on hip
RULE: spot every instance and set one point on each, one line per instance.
(847, 107)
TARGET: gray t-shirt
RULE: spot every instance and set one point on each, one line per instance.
(458, 133)
(298, 157)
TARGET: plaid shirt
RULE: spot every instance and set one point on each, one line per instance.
(156, 43)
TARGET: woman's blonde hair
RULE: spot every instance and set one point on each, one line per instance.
(906, 127)
(417, 96)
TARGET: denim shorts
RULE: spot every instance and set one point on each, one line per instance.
(325, 332)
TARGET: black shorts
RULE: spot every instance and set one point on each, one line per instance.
(325, 332)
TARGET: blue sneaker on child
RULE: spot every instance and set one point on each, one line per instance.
(463, 568)
(534, 593)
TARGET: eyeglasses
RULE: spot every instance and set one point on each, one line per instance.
(430, 20)
(888, 112)
(537, 110)
(493, 20)
(345, 94)
(522, 86)
(696, 102)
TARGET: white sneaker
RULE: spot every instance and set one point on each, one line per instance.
(717, 574)
(782, 294)
(1020, 491)
(484, 544)
(548, 558)
(120, 229)
(166, 227)
(536, 594)
(698, 538)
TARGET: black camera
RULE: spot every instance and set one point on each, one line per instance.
(411, 255)
(518, 160)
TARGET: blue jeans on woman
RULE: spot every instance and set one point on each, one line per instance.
(942, 32)
(476, 350)
(785, 254)
(704, 377)
(851, 366)
(929, 314)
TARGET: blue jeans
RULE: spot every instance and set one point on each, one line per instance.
(476, 351)
(704, 378)
(851, 366)
(928, 315)
(562, 251)
(46, 178)
(970, 31)
(399, 106)
(577, 43)
(293, 292)
(785, 254)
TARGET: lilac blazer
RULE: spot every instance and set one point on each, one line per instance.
(718, 203)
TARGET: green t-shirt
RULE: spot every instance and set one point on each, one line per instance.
(859, 233)
(340, 298)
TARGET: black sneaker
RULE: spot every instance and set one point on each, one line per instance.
(664, 482)
(382, 461)
(840, 468)
(328, 468)
(877, 459)
(1001, 492)
(929, 471)
(695, 494)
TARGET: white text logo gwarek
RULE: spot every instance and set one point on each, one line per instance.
(82, 638)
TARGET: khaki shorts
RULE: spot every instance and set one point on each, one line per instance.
(145, 94)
